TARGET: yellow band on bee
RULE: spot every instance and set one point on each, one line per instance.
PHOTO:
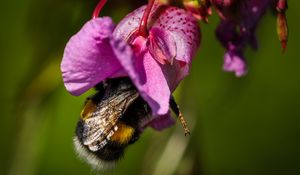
(124, 134)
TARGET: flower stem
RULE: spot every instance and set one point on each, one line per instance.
(143, 30)
(98, 8)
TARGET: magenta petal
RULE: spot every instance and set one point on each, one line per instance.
(162, 46)
(147, 75)
(88, 57)
(162, 122)
(184, 29)
(128, 25)
(235, 63)
(175, 23)
(158, 66)
(153, 84)
(175, 73)
(125, 57)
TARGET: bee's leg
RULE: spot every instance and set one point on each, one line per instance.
(176, 110)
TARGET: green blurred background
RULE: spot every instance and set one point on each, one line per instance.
(240, 126)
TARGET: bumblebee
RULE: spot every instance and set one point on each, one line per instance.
(111, 120)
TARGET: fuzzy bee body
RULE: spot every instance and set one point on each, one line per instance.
(109, 122)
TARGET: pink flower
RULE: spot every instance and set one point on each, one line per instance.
(155, 63)
(239, 20)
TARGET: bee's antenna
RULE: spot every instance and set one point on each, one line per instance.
(176, 110)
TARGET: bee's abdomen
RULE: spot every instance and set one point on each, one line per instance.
(112, 151)
(123, 134)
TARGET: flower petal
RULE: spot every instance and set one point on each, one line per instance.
(162, 46)
(147, 75)
(184, 29)
(234, 44)
(88, 57)
(251, 11)
(175, 73)
(173, 33)
(234, 62)
(162, 122)
(153, 84)
(129, 24)
(227, 33)
(175, 23)
(239, 21)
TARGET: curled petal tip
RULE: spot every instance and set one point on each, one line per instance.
(234, 62)
(161, 122)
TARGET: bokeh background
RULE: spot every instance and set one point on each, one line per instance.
(240, 126)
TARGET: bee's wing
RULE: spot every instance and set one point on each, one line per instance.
(113, 105)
